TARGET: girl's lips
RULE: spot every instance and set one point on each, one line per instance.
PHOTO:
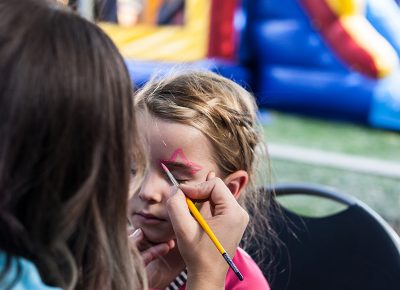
(148, 218)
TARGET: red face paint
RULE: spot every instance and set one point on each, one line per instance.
(178, 156)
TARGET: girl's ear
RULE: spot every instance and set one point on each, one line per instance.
(236, 182)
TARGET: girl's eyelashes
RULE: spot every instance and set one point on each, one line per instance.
(133, 171)
(179, 180)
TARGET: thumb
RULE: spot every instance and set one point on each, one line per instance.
(210, 175)
(181, 219)
(213, 189)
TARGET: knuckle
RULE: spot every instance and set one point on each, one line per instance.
(243, 216)
(246, 217)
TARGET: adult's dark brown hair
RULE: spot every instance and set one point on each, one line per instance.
(66, 139)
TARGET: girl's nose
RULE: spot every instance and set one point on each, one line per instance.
(155, 188)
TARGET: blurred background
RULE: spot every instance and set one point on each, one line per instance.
(325, 75)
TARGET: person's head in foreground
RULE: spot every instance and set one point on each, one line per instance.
(194, 123)
(66, 131)
(67, 142)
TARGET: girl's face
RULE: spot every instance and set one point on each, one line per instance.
(187, 154)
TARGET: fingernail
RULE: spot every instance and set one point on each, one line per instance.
(136, 233)
(211, 175)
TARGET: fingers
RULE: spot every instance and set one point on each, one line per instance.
(148, 251)
(205, 209)
(182, 222)
(156, 251)
(210, 175)
(214, 189)
(136, 237)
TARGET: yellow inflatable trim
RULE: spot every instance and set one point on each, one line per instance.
(166, 43)
(346, 7)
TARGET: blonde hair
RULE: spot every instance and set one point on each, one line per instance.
(226, 114)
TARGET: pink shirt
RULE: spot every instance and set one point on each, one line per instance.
(253, 277)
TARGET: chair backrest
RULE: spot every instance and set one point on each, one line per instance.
(353, 249)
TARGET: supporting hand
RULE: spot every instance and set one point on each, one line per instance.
(149, 252)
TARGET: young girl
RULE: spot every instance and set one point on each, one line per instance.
(197, 123)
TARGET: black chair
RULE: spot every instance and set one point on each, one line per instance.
(354, 249)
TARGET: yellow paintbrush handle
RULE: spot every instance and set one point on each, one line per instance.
(196, 214)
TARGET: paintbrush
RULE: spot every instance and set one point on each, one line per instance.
(199, 218)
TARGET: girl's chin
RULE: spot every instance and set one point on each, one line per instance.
(156, 238)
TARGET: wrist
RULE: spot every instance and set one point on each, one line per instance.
(206, 280)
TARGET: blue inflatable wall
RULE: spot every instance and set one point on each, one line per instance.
(297, 71)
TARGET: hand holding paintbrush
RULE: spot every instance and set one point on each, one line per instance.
(228, 222)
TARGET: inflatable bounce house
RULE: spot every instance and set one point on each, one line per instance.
(204, 37)
(332, 58)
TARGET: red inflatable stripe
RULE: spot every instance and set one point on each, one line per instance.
(338, 38)
(222, 35)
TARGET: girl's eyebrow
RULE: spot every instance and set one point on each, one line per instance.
(186, 164)
(178, 165)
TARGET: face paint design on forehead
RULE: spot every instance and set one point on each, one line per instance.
(179, 153)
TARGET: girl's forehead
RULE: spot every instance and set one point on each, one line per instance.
(176, 142)
(168, 133)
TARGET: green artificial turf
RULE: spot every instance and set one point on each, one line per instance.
(332, 136)
(380, 193)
